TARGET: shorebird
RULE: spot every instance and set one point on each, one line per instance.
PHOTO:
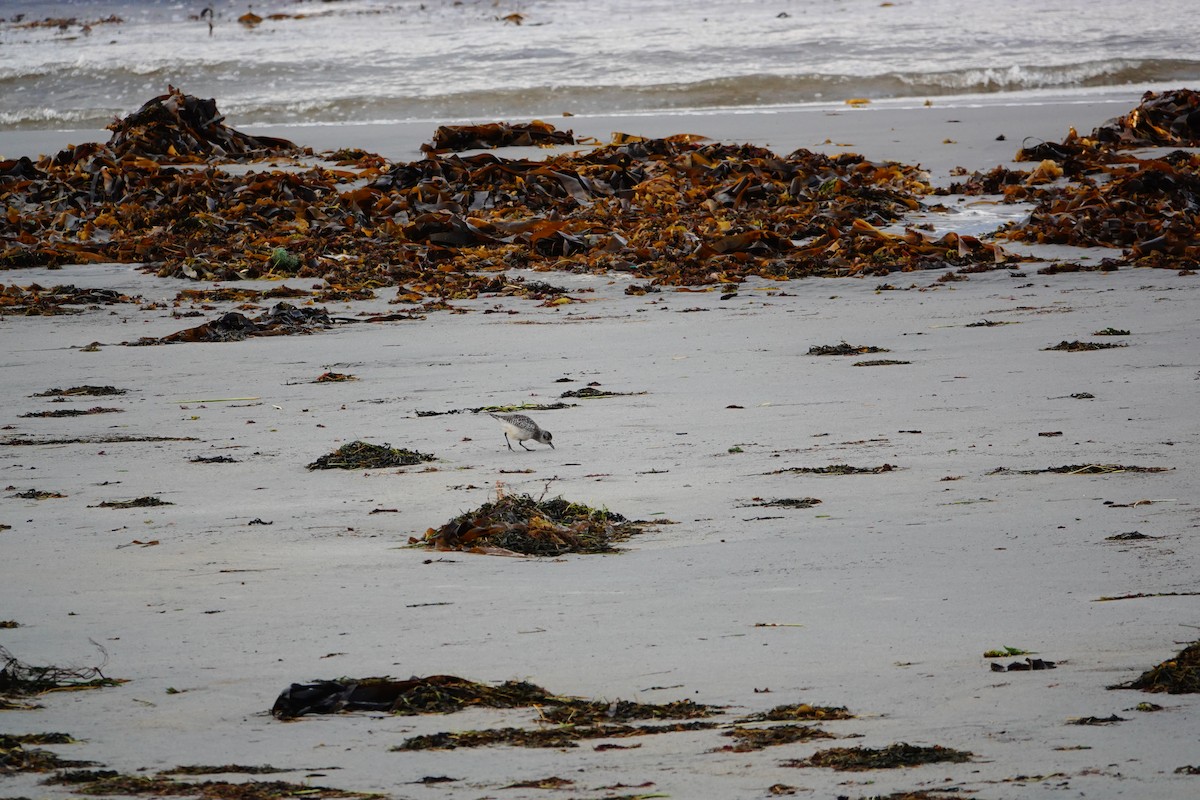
(521, 427)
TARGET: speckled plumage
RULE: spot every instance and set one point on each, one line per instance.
(521, 428)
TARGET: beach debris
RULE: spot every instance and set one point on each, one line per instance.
(748, 739)
(1109, 720)
(1129, 536)
(880, 362)
(1078, 346)
(1178, 675)
(446, 694)
(15, 757)
(1006, 652)
(1028, 665)
(109, 783)
(44, 301)
(591, 393)
(844, 349)
(362, 455)
(1079, 469)
(562, 737)
(73, 412)
(18, 679)
(671, 211)
(225, 769)
(213, 460)
(798, 711)
(137, 502)
(496, 134)
(36, 494)
(783, 502)
(1141, 595)
(553, 782)
(283, 319)
(29, 441)
(498, 409)
(835, 469)
(335, 377)
(902, 754)
(1111, 332)
(1192, 769)
(517, 524)
(75, 391)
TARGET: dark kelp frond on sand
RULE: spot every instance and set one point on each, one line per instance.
(137, 502)
(799, 711)
(224, 769)
(446, 694)
(517, 524)
(749, 739)
(19, 679)
(856, 759)
(15, 757)
(1079, 469)
(560, 737)
(1080, 347)
(1178, 675)
(844, 349)
(103, 782)
(835, 469)
(361, 455)
(85, 390)
(436, 694)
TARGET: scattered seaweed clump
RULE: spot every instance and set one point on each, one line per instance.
(85, 390)
(799, 711)
(1080, 469)
(784, 502)
(748, 739)
(1080, 347)
(18, 679)
(901, 754)
(73, 412)
(517, 524)
(15, 757)
(105, 782)
(835, 469)
(137, 502)
(436, 694)
(844, 349)
(880, 362)
(565, 736)
(1178, 675)
(224, 769)
(496, 134)
(45, 301)
(580, 712)
(283, 319)
(362, 455)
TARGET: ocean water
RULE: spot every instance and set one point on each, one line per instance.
(80, 63)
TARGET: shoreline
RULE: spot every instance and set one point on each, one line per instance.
(882, 598)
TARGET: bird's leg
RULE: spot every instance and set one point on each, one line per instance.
(523, 445)
(506, 441)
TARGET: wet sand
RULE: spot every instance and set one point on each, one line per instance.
(882, 598)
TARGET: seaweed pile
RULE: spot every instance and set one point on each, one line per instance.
(1118, 199)
(363, 455)
(517, 524)
(1178, 675)
(674, 210)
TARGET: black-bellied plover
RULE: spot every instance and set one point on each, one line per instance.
(521, 427)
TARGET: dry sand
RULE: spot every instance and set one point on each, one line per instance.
(883, 598)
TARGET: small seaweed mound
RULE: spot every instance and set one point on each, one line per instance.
(795, 711)
(107, 783)
(1079, 347)
(591, 712)
(1178, 675)
(14, 757)
(360, 455)
(436, 694)
(518, 524)
(20, 679)
(748, 739)
(857, 759)
(844, 349)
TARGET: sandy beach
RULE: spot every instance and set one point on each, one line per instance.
(882, 598)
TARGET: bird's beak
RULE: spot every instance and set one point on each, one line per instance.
(551, 445)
